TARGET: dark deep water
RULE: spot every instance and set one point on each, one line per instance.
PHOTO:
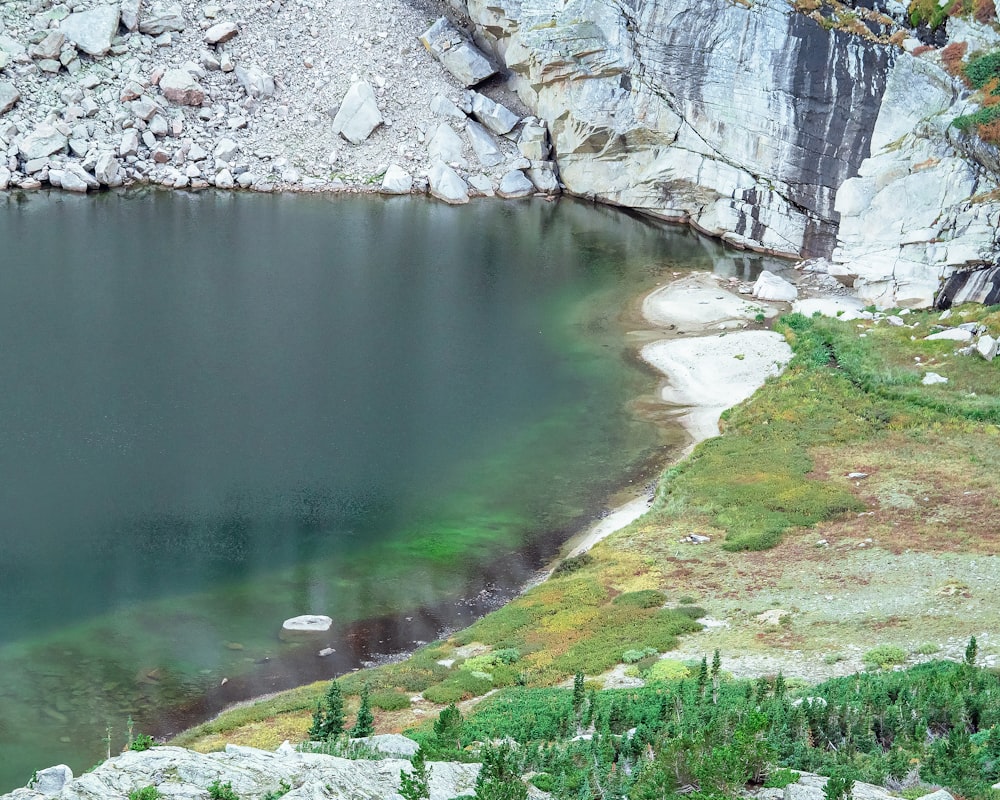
(219, 411)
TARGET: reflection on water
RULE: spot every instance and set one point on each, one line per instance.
(224, 410)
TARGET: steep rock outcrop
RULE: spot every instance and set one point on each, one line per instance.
(754, 123)
(740, 118)
(924, 204)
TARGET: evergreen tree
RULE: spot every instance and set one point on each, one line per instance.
(316, 729)
(448, 728)
(702, 676)
(333, 723)
(413, 785)
(364, 725)
(716, 664)
(971, 651)
(578, 694)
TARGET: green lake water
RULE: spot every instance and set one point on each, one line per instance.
(223, 410)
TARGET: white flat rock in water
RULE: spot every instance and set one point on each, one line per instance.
(307, 623)
(698, 300)
(713, 373)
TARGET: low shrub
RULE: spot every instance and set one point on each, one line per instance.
(222, 791)
(645, 598)
(444, 693)
(389, 700)
(142, 742)
(667, 669)
(145, 793)
(885, 655)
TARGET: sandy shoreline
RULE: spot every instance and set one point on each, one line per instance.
(705, 374)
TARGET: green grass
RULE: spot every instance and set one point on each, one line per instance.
(755, 483)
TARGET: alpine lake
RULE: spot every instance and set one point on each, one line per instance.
(220, 411)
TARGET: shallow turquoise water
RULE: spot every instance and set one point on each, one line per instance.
(224, 410)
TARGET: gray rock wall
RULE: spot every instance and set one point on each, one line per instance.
(747, 119)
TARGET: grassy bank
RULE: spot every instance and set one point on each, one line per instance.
(848, 506)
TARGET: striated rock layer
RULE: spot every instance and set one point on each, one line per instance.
(756, 124)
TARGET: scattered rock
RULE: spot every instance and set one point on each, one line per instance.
(161, 19)
(446, 184)
(179, 86)
(696, 538)
(951, 335)
(857, 476)
(108, 169)
(221, 32)
(987, 347)
(43, 141)
(358, 116)
(93, 31)
(9, 95)
(483, 145)
(494, 116)
(458, 55)
(257, 83)
(396, 180)
(773, 287)
(514, 184)
(932, 377)
(52, 780)
(446, 145)
(129, 14)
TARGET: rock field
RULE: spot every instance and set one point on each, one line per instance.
(317, 95)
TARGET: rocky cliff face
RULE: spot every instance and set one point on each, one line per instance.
(746, 119)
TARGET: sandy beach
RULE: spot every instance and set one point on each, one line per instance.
(706, 373)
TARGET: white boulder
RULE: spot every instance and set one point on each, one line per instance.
(515, 184)
(396, 180)
(358, 115)
(92, 31)
(43, 141)
(773, 287)
(446, 184)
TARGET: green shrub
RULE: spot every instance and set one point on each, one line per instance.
(691, 612)
(572, 564)
(145, 793)
(780, 778)
(544, 782)
(667, 669)
(885, 655)
(982, 70)
(444, 693)
(646, 598)
(983, 116)
(222, 791)
(141, 742)
(388, 700)
(634, 656)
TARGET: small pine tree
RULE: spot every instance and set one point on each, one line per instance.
(364, 725)
(716, 664)
(448, 728)
(413, 785)
(588, 712)
(971, 651)
(702, 676)
(578, 693)
(779, 686)
(333, 722)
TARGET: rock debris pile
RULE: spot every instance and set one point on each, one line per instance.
(286, 94)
